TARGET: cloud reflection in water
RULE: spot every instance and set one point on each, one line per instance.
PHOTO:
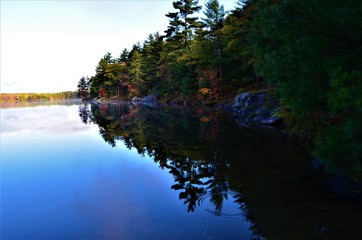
(54, 120)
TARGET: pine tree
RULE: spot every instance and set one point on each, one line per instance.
(215, 16)
(214, 22)
(124, 57)
(182, 25)
(106, 80)
(151, 53)
(136, 76)
(83, 87)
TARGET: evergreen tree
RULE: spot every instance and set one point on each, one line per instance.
(173, 30)
(215, 16)
(135, 48)
(214, 22)
(83, 87)
(239, 54)
(182, 25)
(180, 76)
(106, 80)
(124, 57)
(310, 50)
(136, 76)
(152, 48)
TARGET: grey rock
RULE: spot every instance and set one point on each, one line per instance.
(149, 98)
(271, 121)
(257, 109)
(258, 119)
(240, 99)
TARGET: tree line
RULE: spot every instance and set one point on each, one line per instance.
(23, 97)
(193, 60)
(308, 51)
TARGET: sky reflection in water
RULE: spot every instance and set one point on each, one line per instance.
(59, 179)
(138, 172)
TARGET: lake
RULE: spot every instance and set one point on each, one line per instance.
(121, 171)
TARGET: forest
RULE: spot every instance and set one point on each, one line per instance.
(306, 52)
(22, 97)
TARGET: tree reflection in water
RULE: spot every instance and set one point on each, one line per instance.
(214, 161)
(180, 140)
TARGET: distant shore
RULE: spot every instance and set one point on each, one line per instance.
(28, 97)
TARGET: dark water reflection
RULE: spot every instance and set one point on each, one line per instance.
(228, 171)
(119, 171)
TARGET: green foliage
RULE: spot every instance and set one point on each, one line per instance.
(151, 53)
(124, 57)
(238, 51)
(182, 25)
(135, 71)
(341, 147)
(108, 78)
(308, 50)
(83, 87)
(215, 16)
(306, 35)
(345, 93)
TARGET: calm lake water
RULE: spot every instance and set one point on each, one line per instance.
(117, 171)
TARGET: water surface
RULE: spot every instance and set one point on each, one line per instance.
(117, 171)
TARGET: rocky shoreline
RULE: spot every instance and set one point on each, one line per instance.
(262, 109)
(259, 108)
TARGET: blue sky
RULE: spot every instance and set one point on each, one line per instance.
(47, 46)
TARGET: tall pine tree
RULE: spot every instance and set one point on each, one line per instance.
(182, 24)
(214, 22)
